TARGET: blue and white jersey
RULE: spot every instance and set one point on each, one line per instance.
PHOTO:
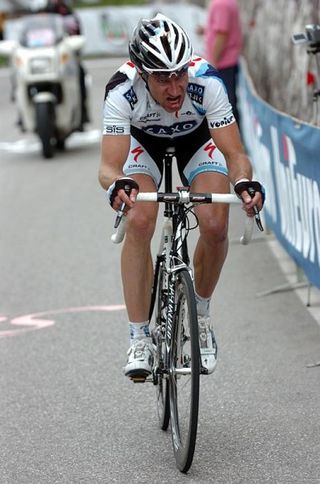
(129, 103)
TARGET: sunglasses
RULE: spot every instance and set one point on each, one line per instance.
(164, 76)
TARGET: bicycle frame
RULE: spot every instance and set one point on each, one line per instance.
(172, 247)
(173, 253)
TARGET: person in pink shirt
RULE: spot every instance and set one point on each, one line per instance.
(223, 43)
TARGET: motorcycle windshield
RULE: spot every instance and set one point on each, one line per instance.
(41, 31)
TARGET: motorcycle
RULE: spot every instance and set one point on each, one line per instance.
(47, 79)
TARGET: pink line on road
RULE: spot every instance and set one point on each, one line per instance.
(32, 322)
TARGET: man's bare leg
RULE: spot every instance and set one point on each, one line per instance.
(136, 260)
(209, 257)
(212, 246)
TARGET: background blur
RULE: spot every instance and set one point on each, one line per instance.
(283, 74)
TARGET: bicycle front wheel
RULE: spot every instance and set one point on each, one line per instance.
(184, 373)
(162, 387)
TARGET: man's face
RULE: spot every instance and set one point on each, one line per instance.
(169, 89)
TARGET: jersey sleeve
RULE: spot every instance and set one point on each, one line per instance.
(218, 108)
(115, 120)
(116, 110)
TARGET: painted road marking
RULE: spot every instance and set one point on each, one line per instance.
(25, 145)
(32, 322)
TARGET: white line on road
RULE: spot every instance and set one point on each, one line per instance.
(25, 145)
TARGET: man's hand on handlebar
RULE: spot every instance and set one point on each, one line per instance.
(252, 194)
(123, 191)
(122, 196)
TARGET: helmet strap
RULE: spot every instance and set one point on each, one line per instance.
(144, 77)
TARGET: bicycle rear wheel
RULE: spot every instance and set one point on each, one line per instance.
(184, 373)
(161, 378)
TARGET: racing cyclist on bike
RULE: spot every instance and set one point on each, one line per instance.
(165, 96)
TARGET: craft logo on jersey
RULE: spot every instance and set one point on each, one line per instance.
(131, 97)
(195, 92)
(150, 117)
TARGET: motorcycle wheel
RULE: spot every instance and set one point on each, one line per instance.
(45, 128)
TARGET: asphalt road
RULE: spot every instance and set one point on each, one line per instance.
(67, 414)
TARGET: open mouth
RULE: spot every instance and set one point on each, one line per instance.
(174, 101)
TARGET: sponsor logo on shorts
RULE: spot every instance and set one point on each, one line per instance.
(210, 149)
(209, 163)
(138, 165)
(224, 122)
(136, 152)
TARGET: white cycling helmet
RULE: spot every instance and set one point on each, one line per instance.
(159, 44)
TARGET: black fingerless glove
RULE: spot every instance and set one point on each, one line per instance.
(124, 183)
(251, 187)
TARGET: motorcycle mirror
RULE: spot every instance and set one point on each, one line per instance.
(75, 42)
(7, 47)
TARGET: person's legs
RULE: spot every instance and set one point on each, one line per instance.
(209, 256)
(137, 278)
(136, 261)
(212, 246)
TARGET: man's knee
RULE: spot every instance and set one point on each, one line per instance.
(141, 226)
(214, 231)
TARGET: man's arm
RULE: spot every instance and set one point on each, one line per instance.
(114, 153)
(228, 141)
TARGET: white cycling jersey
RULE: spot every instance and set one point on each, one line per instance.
(129, 108)
(128, 103)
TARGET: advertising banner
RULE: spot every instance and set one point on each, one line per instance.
(108, 29)
(285, 155)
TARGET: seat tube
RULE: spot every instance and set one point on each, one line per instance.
(168, 157)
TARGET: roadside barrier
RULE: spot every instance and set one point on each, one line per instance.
(108, 29)
(285, 156)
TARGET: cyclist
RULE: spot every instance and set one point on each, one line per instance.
(165, 96)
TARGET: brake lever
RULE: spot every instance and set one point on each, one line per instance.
(257, 217)
(119, 216)
(120, 212)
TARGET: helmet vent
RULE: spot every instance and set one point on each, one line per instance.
(159, 44)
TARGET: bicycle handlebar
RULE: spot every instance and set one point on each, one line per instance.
(185, 197)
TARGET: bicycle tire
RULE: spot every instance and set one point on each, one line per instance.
(184, 389)
(162, 386)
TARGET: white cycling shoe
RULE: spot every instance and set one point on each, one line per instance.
(208, 346)
(140, 359)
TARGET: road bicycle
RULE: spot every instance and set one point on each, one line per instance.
(173, 314)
